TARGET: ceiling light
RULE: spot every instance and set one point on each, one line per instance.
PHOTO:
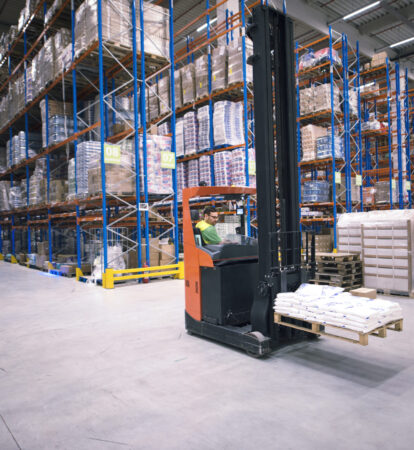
(361, 10)
(367, 85)
(402, 42)
(205, 25)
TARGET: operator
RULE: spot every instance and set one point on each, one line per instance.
(207, 226)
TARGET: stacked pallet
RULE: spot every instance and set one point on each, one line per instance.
(338, 269)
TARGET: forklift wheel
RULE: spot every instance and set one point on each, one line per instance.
(259, 336)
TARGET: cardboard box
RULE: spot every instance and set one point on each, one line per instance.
(40, 260)
(21, 258)
(364, 292)
(43, 248)
(119, 180)
(167, 254)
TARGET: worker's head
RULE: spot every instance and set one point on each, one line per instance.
(210, 215)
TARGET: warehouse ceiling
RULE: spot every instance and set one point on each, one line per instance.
(9, 13)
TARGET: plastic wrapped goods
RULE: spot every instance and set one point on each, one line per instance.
(4, 195)
(219, 76)
(222, 168)
(228, 123)
(382, 192)
(153, 104)
(203, 116)
(15, 197)
(188, 83)
(88, 153)
(193, 173)
(182, 179)
(59, 122)
(116, 261)
(179, 137)
(164, 95)
(190, 132)
(324, 147)
(329, 305)
(201, 76)
(238, 167)
(164, 128)
(178, 89)
(159, 180)
(235, 61)
(156, 26)
(309, 135)
(315, 192)
(71, 179)
(204, 168)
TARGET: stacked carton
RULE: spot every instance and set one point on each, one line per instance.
(219, 75)
(188, 83)
(222, 168)
(235, 61)
(164, 94)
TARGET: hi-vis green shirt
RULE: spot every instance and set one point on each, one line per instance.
(208, 232)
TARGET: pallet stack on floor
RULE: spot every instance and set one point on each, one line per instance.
(338, 269)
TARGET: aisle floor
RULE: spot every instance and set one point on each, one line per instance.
(85, 368)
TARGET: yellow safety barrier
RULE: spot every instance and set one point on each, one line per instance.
(13, 259)
(1, 257)
(108, 278)
(78, 273)
(50, 266)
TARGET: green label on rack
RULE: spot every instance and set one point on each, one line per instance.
(167, 160)
(407, 185)
(337, 177)
(358, 180)
(393, 184)
(252, 167)
(112, 154)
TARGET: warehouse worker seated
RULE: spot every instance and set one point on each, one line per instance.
(207, 226)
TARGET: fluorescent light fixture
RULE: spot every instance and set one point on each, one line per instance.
(402, 42)
(205, 25)
(361, 10)
(368, 84)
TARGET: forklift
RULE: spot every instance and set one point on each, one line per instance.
(230, 288)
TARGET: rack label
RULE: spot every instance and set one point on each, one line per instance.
(337, 177)
(112, 154)
(143, 207)
(358, 180)
(252, 167)
(393, 184)
(407, 185)
(167, 160)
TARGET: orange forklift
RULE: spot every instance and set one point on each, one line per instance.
(230, 288)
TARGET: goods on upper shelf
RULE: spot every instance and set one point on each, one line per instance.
(312, 59)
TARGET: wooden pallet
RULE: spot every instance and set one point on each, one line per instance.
(319, 329)
(394, 292)
(339, 270)
(336, 257)
(337, 277)
(346, 285)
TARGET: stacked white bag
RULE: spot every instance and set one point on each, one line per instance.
(228, 123)
(329, 305)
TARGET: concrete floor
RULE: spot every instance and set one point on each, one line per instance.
(85, 368)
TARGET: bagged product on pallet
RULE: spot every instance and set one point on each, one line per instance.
(203, 116)
(228, 123)
(193, 173)
(15, 197)
(219, 75)
(182, 179)
(61, 40)
(204, 168)
(60, 121)
(382, 192)
(179, 137)
(238, 167)
(201, 76)
(190, 132)
(222, 168)
(71, 179)
(88, 152)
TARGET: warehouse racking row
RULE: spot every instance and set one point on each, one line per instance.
(366, 161)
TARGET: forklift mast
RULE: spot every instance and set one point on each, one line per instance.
(279, 237)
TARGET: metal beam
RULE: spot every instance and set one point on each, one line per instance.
(386, 21)
(398, 15)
